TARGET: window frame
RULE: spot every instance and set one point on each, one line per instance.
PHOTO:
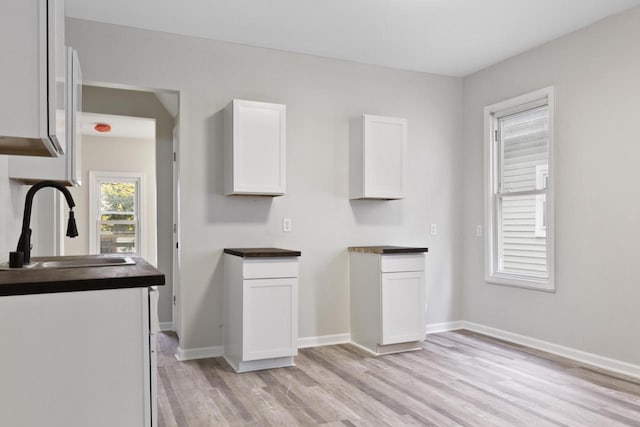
(492, 165)
(96, 178)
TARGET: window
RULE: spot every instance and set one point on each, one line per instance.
(116, 213)
(520, 191)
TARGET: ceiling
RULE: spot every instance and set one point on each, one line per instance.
(450, 37)
(121, 126)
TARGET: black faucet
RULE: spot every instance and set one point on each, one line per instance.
(24, 243)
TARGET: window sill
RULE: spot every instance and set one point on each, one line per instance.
(534, 285)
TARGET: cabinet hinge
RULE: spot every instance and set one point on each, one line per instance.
(176, 245)
(174, 156)
(174, 299)
(495, 135)
(174, 228)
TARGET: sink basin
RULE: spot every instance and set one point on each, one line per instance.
(80, 263)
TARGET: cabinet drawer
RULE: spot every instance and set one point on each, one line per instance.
(393, 263)
(269, 268)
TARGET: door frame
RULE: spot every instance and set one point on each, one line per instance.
(175, 302)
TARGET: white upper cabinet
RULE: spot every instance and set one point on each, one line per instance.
(66, 168)
(378, 158)
(255, 148)
(33, 103)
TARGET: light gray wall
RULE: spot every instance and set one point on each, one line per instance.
(145, 104)
(596, 73)
(321, 96)
(11, 207)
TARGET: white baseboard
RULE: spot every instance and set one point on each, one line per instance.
(614, 365)
(434, 328)
(624, 368)
(183, 354)
(166, 326)
(361, 347)
(321, 340)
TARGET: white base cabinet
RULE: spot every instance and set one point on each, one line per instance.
(260, 312)
(387, 301)
(78, 359)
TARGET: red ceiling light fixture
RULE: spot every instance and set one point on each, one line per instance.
(102, 127)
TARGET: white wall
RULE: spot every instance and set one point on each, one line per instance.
(596, 73)
(11, 208)
(115, 155)
(321, 96)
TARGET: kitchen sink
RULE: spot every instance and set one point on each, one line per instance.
(80, 263)
(74, 263)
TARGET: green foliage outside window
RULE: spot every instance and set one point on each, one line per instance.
(117, 203)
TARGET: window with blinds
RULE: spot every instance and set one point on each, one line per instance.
(520, 191)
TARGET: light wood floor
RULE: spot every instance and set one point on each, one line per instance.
(458, 378)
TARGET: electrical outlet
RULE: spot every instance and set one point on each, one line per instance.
(434, 229)
(478, 230)
(286, 225)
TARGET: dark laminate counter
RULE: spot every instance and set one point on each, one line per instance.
(25, 281)
(386, 250)
(261, 252)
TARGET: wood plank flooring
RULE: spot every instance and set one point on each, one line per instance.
(458, 379)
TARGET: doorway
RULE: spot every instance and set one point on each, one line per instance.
(104, 101)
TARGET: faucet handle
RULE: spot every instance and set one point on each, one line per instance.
(16, 259)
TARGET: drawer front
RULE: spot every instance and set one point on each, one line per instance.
(396, 263)
(269, 268)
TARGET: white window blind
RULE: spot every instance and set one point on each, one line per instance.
(519, 191)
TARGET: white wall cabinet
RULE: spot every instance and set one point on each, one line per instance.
(260, 312)
(32, 107)
(255, 148)
(78, 358)
(66, 168)
(387, 299)
(378, 158)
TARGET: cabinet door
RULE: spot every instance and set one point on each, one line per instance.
(75, 359)
(270, 318)
(258, 143)
(33, 76)
(384, 157)
(66, 168)
(402, 304)
(57, 75)
(74, 163)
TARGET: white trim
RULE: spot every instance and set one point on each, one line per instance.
(166, 326)
(323, 340)
(175, 278)
(260, 364)
(183, 354)
(95, 177)
(613, 365)
(361, 347)
(434, 328)
(603, 362)
(519, 103)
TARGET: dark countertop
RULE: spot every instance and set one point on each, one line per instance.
(25, 281)
(261, 252)
(387, 250)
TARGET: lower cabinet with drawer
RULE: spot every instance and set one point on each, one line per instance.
(260, 308)
(387, 298)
